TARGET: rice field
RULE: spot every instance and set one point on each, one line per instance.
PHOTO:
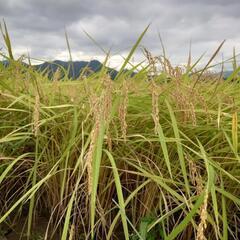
(143, 157)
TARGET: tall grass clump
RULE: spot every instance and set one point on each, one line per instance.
(154, 155)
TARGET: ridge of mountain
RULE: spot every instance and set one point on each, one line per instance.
(74, 67)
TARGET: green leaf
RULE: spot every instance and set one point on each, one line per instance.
(119, 194)
(131, 53)
(186, 220)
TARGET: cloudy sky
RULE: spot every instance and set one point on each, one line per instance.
(37, 27)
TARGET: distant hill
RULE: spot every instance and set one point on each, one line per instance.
(226, 74)
(74, 68)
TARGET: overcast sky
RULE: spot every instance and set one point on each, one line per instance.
(37, 27)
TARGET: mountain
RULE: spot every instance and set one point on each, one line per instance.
(226, 74)
(5, 63)
(74, 68)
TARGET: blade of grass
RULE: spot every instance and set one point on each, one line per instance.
(180, 227)
(179, 147)
(10, 167)
(162, 140)
(224, 214)
(119, 194)
(32, 200)
(209, 62)
(95, 174)
(235, 131)
(131, 53)
(69, 210)
(70, 53)
(6, 38)
(130, 197)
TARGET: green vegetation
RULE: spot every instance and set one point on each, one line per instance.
(134, 158)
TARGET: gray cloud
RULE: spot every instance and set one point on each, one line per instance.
(38, 26)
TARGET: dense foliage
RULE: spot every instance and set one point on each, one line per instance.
(146, 157)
